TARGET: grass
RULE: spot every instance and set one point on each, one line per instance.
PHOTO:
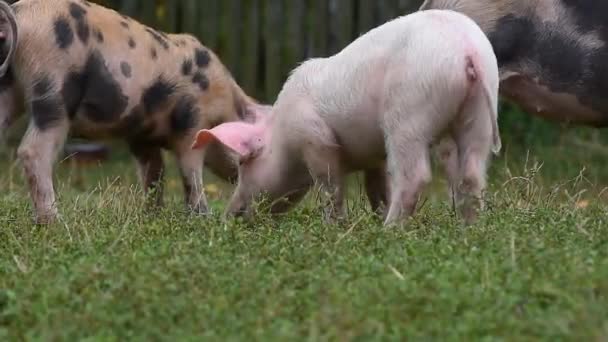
(534, 268)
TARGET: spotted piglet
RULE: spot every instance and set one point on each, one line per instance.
(80, 67)
(386, 98)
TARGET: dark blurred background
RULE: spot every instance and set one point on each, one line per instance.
(260, 41)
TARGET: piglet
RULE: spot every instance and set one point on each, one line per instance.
(81, 69)
(386, 99)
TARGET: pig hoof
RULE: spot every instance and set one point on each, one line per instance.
(202, 210)
(46, 219)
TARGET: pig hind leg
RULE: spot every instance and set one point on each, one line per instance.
(474, 140)
(410, 123)
(151, 170)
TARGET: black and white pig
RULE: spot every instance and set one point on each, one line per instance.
(80, 67)
(387, 97)
(552, 54)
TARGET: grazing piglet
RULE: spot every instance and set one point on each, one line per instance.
(388, 96)
(82, 67)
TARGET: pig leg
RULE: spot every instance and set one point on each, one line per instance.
(324, 165)
(376, 190)
(410, 172)
(191, 169)
(37, 153)
(150, 167)
(447, 152)
(473, 183)
(474, 142)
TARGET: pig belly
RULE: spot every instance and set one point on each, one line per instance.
(362, 144)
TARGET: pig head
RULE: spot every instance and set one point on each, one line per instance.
(552, 53)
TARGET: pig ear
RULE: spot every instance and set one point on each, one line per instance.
(237, 136)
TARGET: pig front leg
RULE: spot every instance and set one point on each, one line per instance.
(324, 165)
(191, 169)
(151, 169)
(376, 190)
(37, 153)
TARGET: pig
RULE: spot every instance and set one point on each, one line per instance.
(80, 68)
(425, 78)
(551, 54)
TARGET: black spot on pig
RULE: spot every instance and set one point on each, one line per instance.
(201, 80)
(154, 53)
(77, 12)
(559, 58)
(201, 57)
(99, 36)
(140, 132)
(83, 31)
(126, 18)
(124, 24)
(184, 116)
(596, 81)
(64, 36)
(132, 43)
(103, 100)
(159, 38)
(82, 27)
(157, 95)
(511, 38)
(72, 92)
(94, 91)
(561, 61)
(590, 15)
(45, 104)
(132, 124)
(126, 69)
(42, 86)
(187, 67)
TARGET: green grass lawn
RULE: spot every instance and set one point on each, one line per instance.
(534, 267)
